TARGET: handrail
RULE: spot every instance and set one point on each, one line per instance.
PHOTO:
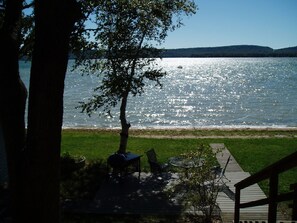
(271, 172)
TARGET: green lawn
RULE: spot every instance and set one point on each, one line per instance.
(251, 154)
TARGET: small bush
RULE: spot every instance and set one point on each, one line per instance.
(197, 187)
(70, 164)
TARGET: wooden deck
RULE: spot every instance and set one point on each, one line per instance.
(235, 174)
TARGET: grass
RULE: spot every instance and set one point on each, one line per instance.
(256, 154)
(253, 154)
(243, 132)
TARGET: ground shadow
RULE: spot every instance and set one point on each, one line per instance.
(129, 195)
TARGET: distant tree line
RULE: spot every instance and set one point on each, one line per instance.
(224, 51)
(231, 51)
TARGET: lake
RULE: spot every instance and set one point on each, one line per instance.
(196, 93)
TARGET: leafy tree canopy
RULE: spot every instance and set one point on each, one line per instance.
(125, 32)
(24, 30)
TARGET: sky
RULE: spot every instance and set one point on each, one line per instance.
(271, 23)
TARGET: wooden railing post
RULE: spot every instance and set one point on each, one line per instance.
(294, 207)
(272, 173)
(237, 204)
(273, 193)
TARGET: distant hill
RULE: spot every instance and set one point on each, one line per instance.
(291, 51)
(231, 51)
(222, 51)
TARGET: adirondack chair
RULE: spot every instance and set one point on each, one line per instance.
(155, 166)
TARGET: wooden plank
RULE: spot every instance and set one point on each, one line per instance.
(236, 174)
(223, 155)
(250, 194)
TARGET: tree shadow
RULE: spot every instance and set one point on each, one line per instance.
(225, 189)
(129, 197)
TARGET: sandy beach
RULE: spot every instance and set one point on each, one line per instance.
(202, 132)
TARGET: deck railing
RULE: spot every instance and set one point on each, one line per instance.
(272, 173)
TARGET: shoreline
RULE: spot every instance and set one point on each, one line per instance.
(223, 128)
(196, 133)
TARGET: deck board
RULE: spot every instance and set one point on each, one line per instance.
(235, 174)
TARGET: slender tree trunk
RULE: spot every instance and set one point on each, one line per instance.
(54, 22)
(125, 125)
(12, 100)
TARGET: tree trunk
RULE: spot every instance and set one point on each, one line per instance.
(12, 100)
(54, 21)
(125, 125)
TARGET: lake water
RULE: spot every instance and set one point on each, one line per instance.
(205, 92)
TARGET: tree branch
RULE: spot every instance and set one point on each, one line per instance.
(26, 6)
